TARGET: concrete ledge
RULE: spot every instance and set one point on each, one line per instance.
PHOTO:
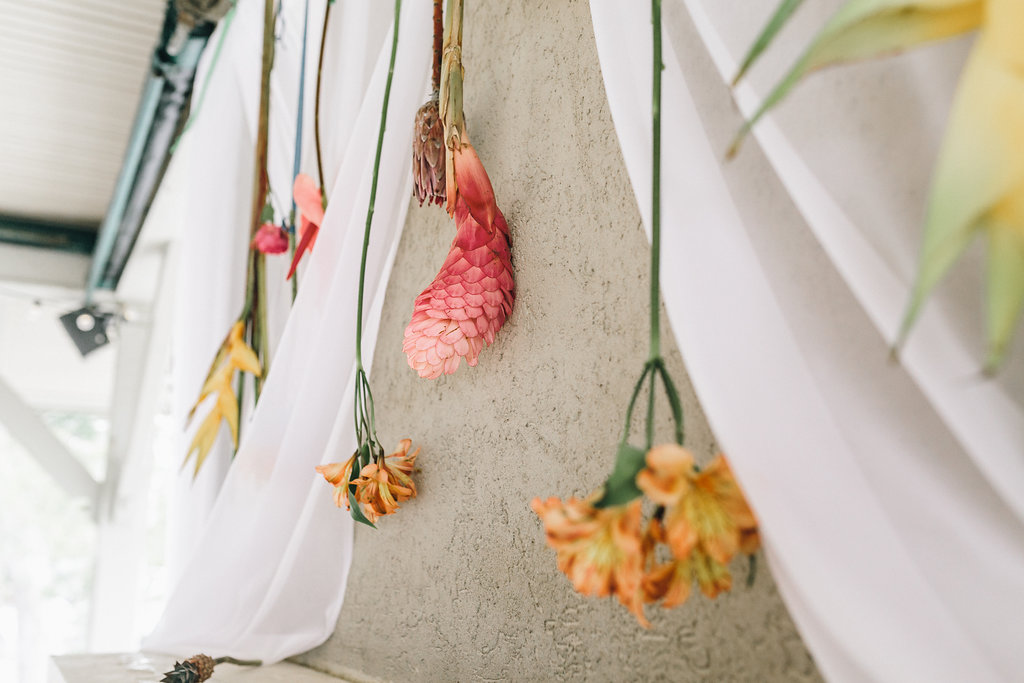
(141, 667)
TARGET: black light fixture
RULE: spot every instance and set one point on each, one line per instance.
(88, 328)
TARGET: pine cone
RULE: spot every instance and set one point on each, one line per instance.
(193, 670)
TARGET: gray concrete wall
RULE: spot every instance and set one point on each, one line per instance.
(460, 584)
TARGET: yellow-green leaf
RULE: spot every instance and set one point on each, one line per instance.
(1005, 288)
(979, 181)
(767, 35)
(870, 28)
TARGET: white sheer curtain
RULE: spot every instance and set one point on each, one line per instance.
(889, 495)
(262, 564)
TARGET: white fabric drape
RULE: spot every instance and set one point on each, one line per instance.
(262, 573)
(889, 495)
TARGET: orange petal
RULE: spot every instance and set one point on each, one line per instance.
(308, 198)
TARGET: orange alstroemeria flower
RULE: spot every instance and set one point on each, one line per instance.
(337, 475)
(705, 509)
(672, 582)
(602, 551)
(380, 486)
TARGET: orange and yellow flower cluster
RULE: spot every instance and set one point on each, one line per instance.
(702, 518)
(380, 486)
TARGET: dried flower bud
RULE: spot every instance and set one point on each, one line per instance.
(428, 163)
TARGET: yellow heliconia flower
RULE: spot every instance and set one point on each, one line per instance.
(233, 354)
(979, 180)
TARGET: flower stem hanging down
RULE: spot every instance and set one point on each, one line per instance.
(602, 543)
(369, 484)
(473, 294)
(245, 349)
(308, 197)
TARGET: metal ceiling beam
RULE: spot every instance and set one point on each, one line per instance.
(162, 112)
(69, 236)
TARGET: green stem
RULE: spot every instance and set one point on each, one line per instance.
(253, 300)
(263, 346)
(655, 337)
(260, 181)
(450, 94)
(250, 285)
(632, 401)
(650, 413)
(373, 187)
(238, 662)
(241, 400)
(316, 102)
(674, 402)
(291, 257)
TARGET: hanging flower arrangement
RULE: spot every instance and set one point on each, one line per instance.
(701, 521)
(369, 484)
(978, 186)
(474, 292)
(246, 348)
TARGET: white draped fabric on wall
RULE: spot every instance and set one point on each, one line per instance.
(888, 495)
(262, 567)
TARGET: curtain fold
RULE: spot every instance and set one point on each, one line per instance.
(264, 573)
(884, 491)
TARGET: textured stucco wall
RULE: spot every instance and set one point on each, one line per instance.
(460, 584)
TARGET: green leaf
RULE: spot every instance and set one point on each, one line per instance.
(1005, 290)
(775, 24)
(267, 214)
(977, 190)
(357, 512)
(362, 460)
(621, 486)
(862, 29)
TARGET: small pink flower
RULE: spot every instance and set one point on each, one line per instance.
(309, 200)
(270, 239)
(470, 299)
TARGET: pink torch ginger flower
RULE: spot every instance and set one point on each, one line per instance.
(473, 294)
(270, 239)
(309, 200)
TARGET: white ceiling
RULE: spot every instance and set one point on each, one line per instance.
(71, 72)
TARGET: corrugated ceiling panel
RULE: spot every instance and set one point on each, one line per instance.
(71, 72)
